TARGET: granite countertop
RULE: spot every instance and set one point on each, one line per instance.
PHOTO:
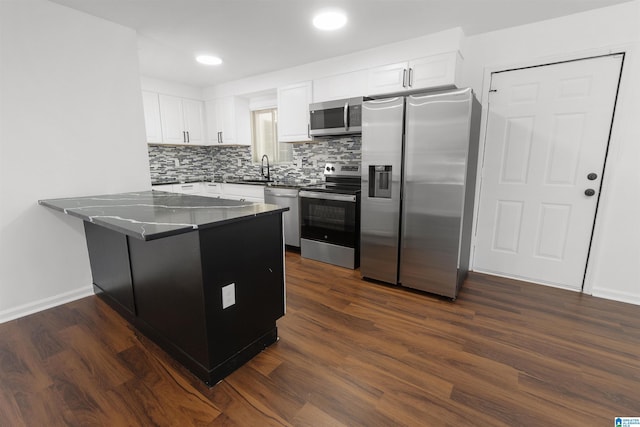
(281, 184)
(149, 215)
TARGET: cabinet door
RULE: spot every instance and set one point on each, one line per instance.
(193, 121)
(172, 119)
(152, 123)
(226, 118)
(433, 71)
(211, 121)
(293, 112)
(252, 193)
(347, 85)
(163, 187)
(242, 121)
(228, 121)
(212, 189)
(388, 78)
(188, 188)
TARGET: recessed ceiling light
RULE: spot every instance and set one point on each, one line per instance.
(208, 60)
(330, 20)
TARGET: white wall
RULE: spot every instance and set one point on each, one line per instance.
(615, 256)
(71, 124)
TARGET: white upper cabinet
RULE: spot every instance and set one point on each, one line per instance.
(193, 120)
(228, 121)
(172, 120)
(424, 73)
(152, 124)
(341, 86)
(182, 120)
(293, 112)
(388, 78)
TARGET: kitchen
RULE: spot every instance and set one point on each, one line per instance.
(71, 152)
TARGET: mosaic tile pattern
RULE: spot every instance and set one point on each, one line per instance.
(195, 162)
(234, 162)
(306, 167)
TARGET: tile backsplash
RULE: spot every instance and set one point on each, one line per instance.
(235, 161)
(193, 162)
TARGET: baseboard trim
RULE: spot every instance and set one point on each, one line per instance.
(616, 296)
(45, 303)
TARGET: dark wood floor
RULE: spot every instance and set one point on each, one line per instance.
(351, 352)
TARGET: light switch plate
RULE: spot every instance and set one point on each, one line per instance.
(228, 295)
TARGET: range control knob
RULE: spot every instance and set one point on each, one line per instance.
(589, 192)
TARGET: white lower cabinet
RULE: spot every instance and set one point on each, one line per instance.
(241, 192)
(211, 189)
(244, 192)
(188, 188)
(163, 187)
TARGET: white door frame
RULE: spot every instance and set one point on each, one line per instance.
(628, 50)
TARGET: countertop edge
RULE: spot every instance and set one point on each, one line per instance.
(166, 233)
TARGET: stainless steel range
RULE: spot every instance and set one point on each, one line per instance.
(330, 217)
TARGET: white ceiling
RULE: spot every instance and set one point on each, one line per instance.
(257, 36)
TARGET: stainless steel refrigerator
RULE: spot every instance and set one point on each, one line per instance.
(419, 157)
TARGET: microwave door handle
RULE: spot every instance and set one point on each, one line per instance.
(346, 115)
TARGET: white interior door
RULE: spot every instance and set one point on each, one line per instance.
(546, 141)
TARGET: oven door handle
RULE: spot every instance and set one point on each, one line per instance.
(328, 196)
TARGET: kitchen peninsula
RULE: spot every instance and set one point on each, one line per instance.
(202, 277)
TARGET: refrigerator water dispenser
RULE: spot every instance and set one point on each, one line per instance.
(380, 181)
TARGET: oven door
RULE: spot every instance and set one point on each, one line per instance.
(329, 217)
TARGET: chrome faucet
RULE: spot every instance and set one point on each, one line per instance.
(268, 175)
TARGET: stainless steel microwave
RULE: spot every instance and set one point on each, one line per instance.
(341, 117)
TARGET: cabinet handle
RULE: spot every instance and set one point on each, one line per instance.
(404, 78)
(188, 137)
(184, 136)
(221, 138)
(308, 131)
(410, 77)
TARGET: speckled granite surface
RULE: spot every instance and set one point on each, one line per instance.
(149, 215)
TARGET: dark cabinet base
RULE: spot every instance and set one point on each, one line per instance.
(171, 290)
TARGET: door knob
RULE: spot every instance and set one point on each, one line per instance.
(589, 192)
(592, 176)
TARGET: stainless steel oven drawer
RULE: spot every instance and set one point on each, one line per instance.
(327, 252)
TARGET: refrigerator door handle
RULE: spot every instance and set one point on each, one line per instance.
(404, 78)
(410, 77)
(346, 115)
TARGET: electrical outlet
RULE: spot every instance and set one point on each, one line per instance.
(239, 162)
(228, 295)
(299, 163)
(176, 162)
